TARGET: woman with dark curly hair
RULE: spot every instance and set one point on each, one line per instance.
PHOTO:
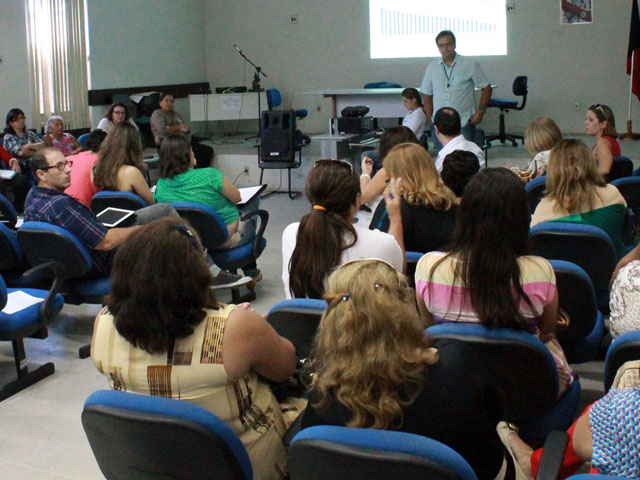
(163, 333)
(374, 368)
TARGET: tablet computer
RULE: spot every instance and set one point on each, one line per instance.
(112, 217)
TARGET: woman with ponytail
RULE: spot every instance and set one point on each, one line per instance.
(326, 237)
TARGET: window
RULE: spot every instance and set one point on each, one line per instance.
(56, 37)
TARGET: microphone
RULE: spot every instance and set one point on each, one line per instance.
(235, 45)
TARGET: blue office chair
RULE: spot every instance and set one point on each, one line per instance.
(83, 140)
(596, 476)
(576, 243)
(535, 191)
(124, 200)
(297, 320)
(581, 340)
(382, 85)
(274, 99)
(135, 436)
(213, 233)
(8, 214)
(629, 188)
(624, 348)
(622, 167)
(67, 260)
(412, 261)
(28, 322)
(524, 371)
(520, 90)
(13, 264)
(325, 451)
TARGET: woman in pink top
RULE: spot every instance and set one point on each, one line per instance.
(82, 188)
(601, 124)
(55, 137)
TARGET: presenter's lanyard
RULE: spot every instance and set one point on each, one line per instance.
(448, 75)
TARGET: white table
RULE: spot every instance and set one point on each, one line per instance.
(382, 102)
(226, 106)
(334, 146)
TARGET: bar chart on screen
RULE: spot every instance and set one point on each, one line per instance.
(407, 28)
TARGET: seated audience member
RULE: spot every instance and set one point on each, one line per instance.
(428, 207)
(56, 137)
(18, 141)
(457, 169)
(119, 166)
(82, 187)
(47, 202)
(540, 137)
(181, 182)
(373, 179)
(373, 368)
(164, 327)
(117, 114)
(19, 183)
(625, 295)
(416, 120)
(448, 129)
(576, 192)
(486, 275)
(326, 237)
(164, 122)
(606, 435)
(601, 124)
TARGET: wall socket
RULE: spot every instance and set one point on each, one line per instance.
(293, 18)
(511, 7)
(246, 171)
(576, 106)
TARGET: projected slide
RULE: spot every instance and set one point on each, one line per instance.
(407, 28)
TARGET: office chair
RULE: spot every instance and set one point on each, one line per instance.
(624, 348)
(581, 339)
(412, 261)
(8, 214)
(83, 140)
(213, 233)
(67, 260)
(28, 322)
(629, 188)
(524, 371)
(297, 320)
(520, 90)
(535, 191)
(325, 451)
(382, 85)
(576, 243)
(274, 99)
(621, 167)
(124, 200)
(135, 436)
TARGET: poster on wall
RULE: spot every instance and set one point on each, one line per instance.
(574, 12)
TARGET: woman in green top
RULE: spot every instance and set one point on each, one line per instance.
(181, 182)
(575, 192)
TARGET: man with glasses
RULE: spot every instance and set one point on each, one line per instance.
(47, 202)
(450, 82)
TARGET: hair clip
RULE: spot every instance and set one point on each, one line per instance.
(192, 239)
(376, 285)
(346, 297)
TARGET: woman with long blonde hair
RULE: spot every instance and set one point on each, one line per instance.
(428, 208)
(576, 192)
(375, 369)
(120, 166)
(540, 136)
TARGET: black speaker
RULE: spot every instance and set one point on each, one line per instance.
(277, 136)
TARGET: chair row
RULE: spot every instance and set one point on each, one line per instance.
(134, 436)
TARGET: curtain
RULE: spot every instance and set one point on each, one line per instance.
(56, 38)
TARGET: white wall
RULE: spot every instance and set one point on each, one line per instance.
(14, 68)
(329, 48)
(138, 42)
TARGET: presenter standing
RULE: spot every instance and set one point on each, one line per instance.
(450, 81)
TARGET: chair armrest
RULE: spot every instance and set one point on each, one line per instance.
(46, 308)
(552, 455)
(264, 219)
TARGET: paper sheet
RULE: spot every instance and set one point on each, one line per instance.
(19, 300)
(247, 193)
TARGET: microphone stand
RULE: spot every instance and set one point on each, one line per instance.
(258, 90)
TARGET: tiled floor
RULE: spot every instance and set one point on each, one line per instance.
(41, 436)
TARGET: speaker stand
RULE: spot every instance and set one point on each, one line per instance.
(292, 195)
